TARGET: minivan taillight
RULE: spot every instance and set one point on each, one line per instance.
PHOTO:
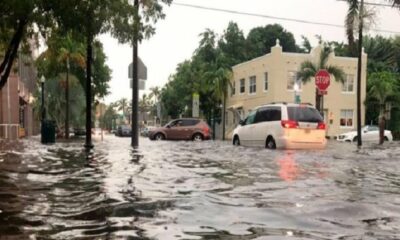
(321, 125)
(289, 124)
(206, 130)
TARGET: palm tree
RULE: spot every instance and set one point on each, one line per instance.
(352, 23)
(155, 92)
(70, 51)
(308, 70)
(382, 88)
(144, 105)
(122, 106)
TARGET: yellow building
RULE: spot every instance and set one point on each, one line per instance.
(272, 78)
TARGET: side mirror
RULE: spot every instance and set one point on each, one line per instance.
(242, 122)
(168, 126)
(365, 131)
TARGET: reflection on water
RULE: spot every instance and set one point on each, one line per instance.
(189, 190)
(288, 169)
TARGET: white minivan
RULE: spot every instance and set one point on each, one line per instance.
(282, 125)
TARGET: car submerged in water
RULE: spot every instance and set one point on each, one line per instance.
(282, 125)
(123, 131)
(182, 129)
(368, 133)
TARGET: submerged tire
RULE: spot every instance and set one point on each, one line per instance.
(159, 137)
(236, 141)
(197, 137)
(270, 143)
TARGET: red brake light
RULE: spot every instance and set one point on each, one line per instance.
(289, 124)
(206, 130)
(321, 125)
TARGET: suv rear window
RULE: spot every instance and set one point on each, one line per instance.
(190, 122)
(304, 114)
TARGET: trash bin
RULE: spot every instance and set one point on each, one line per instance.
(48, 131)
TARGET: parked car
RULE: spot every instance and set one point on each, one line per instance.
(282, 125)
(79, 131)
(368, 133)
(123, 131)
(145, 131)
(182, 129)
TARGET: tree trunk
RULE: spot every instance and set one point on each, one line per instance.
(381, 129)
(317, 100)
(223, 118)
(89, 50)
(5, 67)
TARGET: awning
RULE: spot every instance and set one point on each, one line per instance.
(235, 106)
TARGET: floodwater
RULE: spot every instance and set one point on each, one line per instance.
(189, 190)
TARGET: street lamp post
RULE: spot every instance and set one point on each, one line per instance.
(42, 79)
(67, 102)
(296, 93)
(43, 110)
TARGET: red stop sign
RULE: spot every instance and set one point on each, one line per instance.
(322, 79)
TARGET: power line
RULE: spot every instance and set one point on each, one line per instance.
(372, 4)
(272, 17)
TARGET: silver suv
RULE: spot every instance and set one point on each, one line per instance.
(282, 125)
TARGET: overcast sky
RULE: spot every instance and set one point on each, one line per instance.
(177, 36)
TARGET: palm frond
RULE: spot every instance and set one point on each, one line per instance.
(323, 57)
(337, 73)
(307, 71)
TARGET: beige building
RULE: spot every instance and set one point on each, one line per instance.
(272, 78)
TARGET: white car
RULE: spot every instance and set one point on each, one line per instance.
(368, 133)
(282, 125)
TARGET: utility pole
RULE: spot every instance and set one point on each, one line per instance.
(135, 82)
(359, 67)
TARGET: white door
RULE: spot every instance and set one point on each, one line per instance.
(246, 132)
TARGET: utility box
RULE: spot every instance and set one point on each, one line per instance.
(48, 131)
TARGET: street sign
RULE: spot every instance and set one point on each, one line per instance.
(142, 84)
(142, 70)
(322, 92)
(322, 79)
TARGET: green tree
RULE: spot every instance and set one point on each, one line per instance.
(261, 39)
(144, 106)
(233, 45)
(308, 69)
(382, 88)
(19, 21)
(122, 105)
(352, 23)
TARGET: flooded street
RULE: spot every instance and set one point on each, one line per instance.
(189, 190)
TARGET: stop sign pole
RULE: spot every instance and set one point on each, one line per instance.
(322, 82)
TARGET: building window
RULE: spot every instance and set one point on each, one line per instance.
(233, 88)
(252, 85)
(242, 85)
(348, 85)
(266, 81)
(346, 118)
(292, 79)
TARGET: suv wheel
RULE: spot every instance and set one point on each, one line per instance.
(355, 139)
(270, 143)
(236, 141)
(197, 137)
(159, 137)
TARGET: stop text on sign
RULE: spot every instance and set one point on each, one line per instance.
(322, 79)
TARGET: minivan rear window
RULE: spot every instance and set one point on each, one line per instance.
(304, 114)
